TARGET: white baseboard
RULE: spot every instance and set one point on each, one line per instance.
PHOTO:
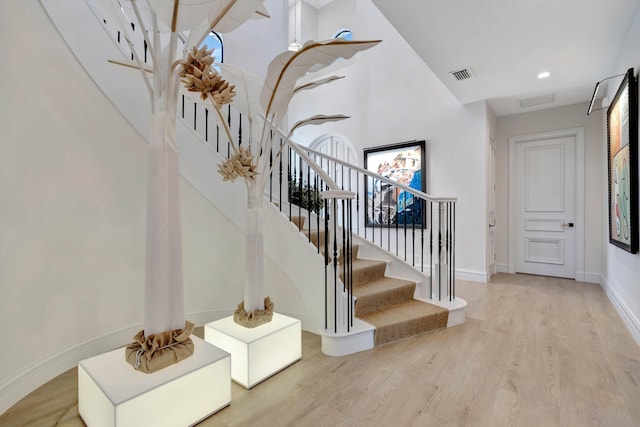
(472, 276)
(583, 276)
(502, 268)
(623, 310)
(32, 377)
(24, 382)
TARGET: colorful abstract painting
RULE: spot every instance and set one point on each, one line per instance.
(387, 203)
(622, 143)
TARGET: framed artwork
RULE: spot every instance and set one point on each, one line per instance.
(622, 149)
(388, 204)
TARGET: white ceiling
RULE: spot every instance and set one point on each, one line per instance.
(506, 43)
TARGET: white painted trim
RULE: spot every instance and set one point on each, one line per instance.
(360, 338)
(578, 133)
(592, 277)
(502, 268)
(24, 382)
(583, 276)
(472, 276)
(632, 322)
(456, 309)
(32, 377)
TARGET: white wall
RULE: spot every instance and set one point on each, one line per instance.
(568, 117)
(264, 38)
(621, 270)
(392, 96)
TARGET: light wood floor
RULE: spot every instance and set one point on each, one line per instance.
(533, 352)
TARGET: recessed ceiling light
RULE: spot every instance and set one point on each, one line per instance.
(544, 75)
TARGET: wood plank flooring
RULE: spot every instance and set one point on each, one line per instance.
(533, 351)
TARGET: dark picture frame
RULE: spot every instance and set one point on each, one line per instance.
(387, 205)
(622, 155)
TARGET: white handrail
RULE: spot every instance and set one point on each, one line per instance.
(413, 191)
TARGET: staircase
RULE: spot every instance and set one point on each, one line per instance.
(387, 303)
(390, 283)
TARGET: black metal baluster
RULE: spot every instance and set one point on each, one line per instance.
(240, 129)
(335, 269)
(345, 284)
(449, 252)
(133, 27)
(280, 178)
(350, 259)
(309, 210)
(423, 225)
(289, 181)
(404, 227)
(413, 241)
(326, 264)
(390, 197)
(315, 186)
(453, 249)
(206, 125)
(217, 138)
(229, 124)
(397, 221)
(440, 251)
(299, 186)
(271, 175)
(358, 205)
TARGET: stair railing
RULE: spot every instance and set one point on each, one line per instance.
(410, 224)
(317, 186)
(312, 193)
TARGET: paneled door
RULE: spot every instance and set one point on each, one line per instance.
(545, 207)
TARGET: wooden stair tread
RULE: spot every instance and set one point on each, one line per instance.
(381, 285)
(406, 319)
(411, 309)
(366, 270)
(377, 294)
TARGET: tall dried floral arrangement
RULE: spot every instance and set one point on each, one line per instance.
(264, 103)
(160, 21)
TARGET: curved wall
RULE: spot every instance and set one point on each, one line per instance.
(72, 211)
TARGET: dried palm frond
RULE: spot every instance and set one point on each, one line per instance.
(286, 68)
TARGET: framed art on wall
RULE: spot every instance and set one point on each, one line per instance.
(387, 203)
(622, 148)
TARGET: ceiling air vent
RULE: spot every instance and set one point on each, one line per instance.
(462, 74)
(537, 100)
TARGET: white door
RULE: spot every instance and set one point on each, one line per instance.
(545, 191)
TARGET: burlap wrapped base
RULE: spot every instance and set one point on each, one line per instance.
(160, 350)
(256, 317)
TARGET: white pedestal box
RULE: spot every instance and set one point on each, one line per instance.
(111, 393)
(257, 353)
